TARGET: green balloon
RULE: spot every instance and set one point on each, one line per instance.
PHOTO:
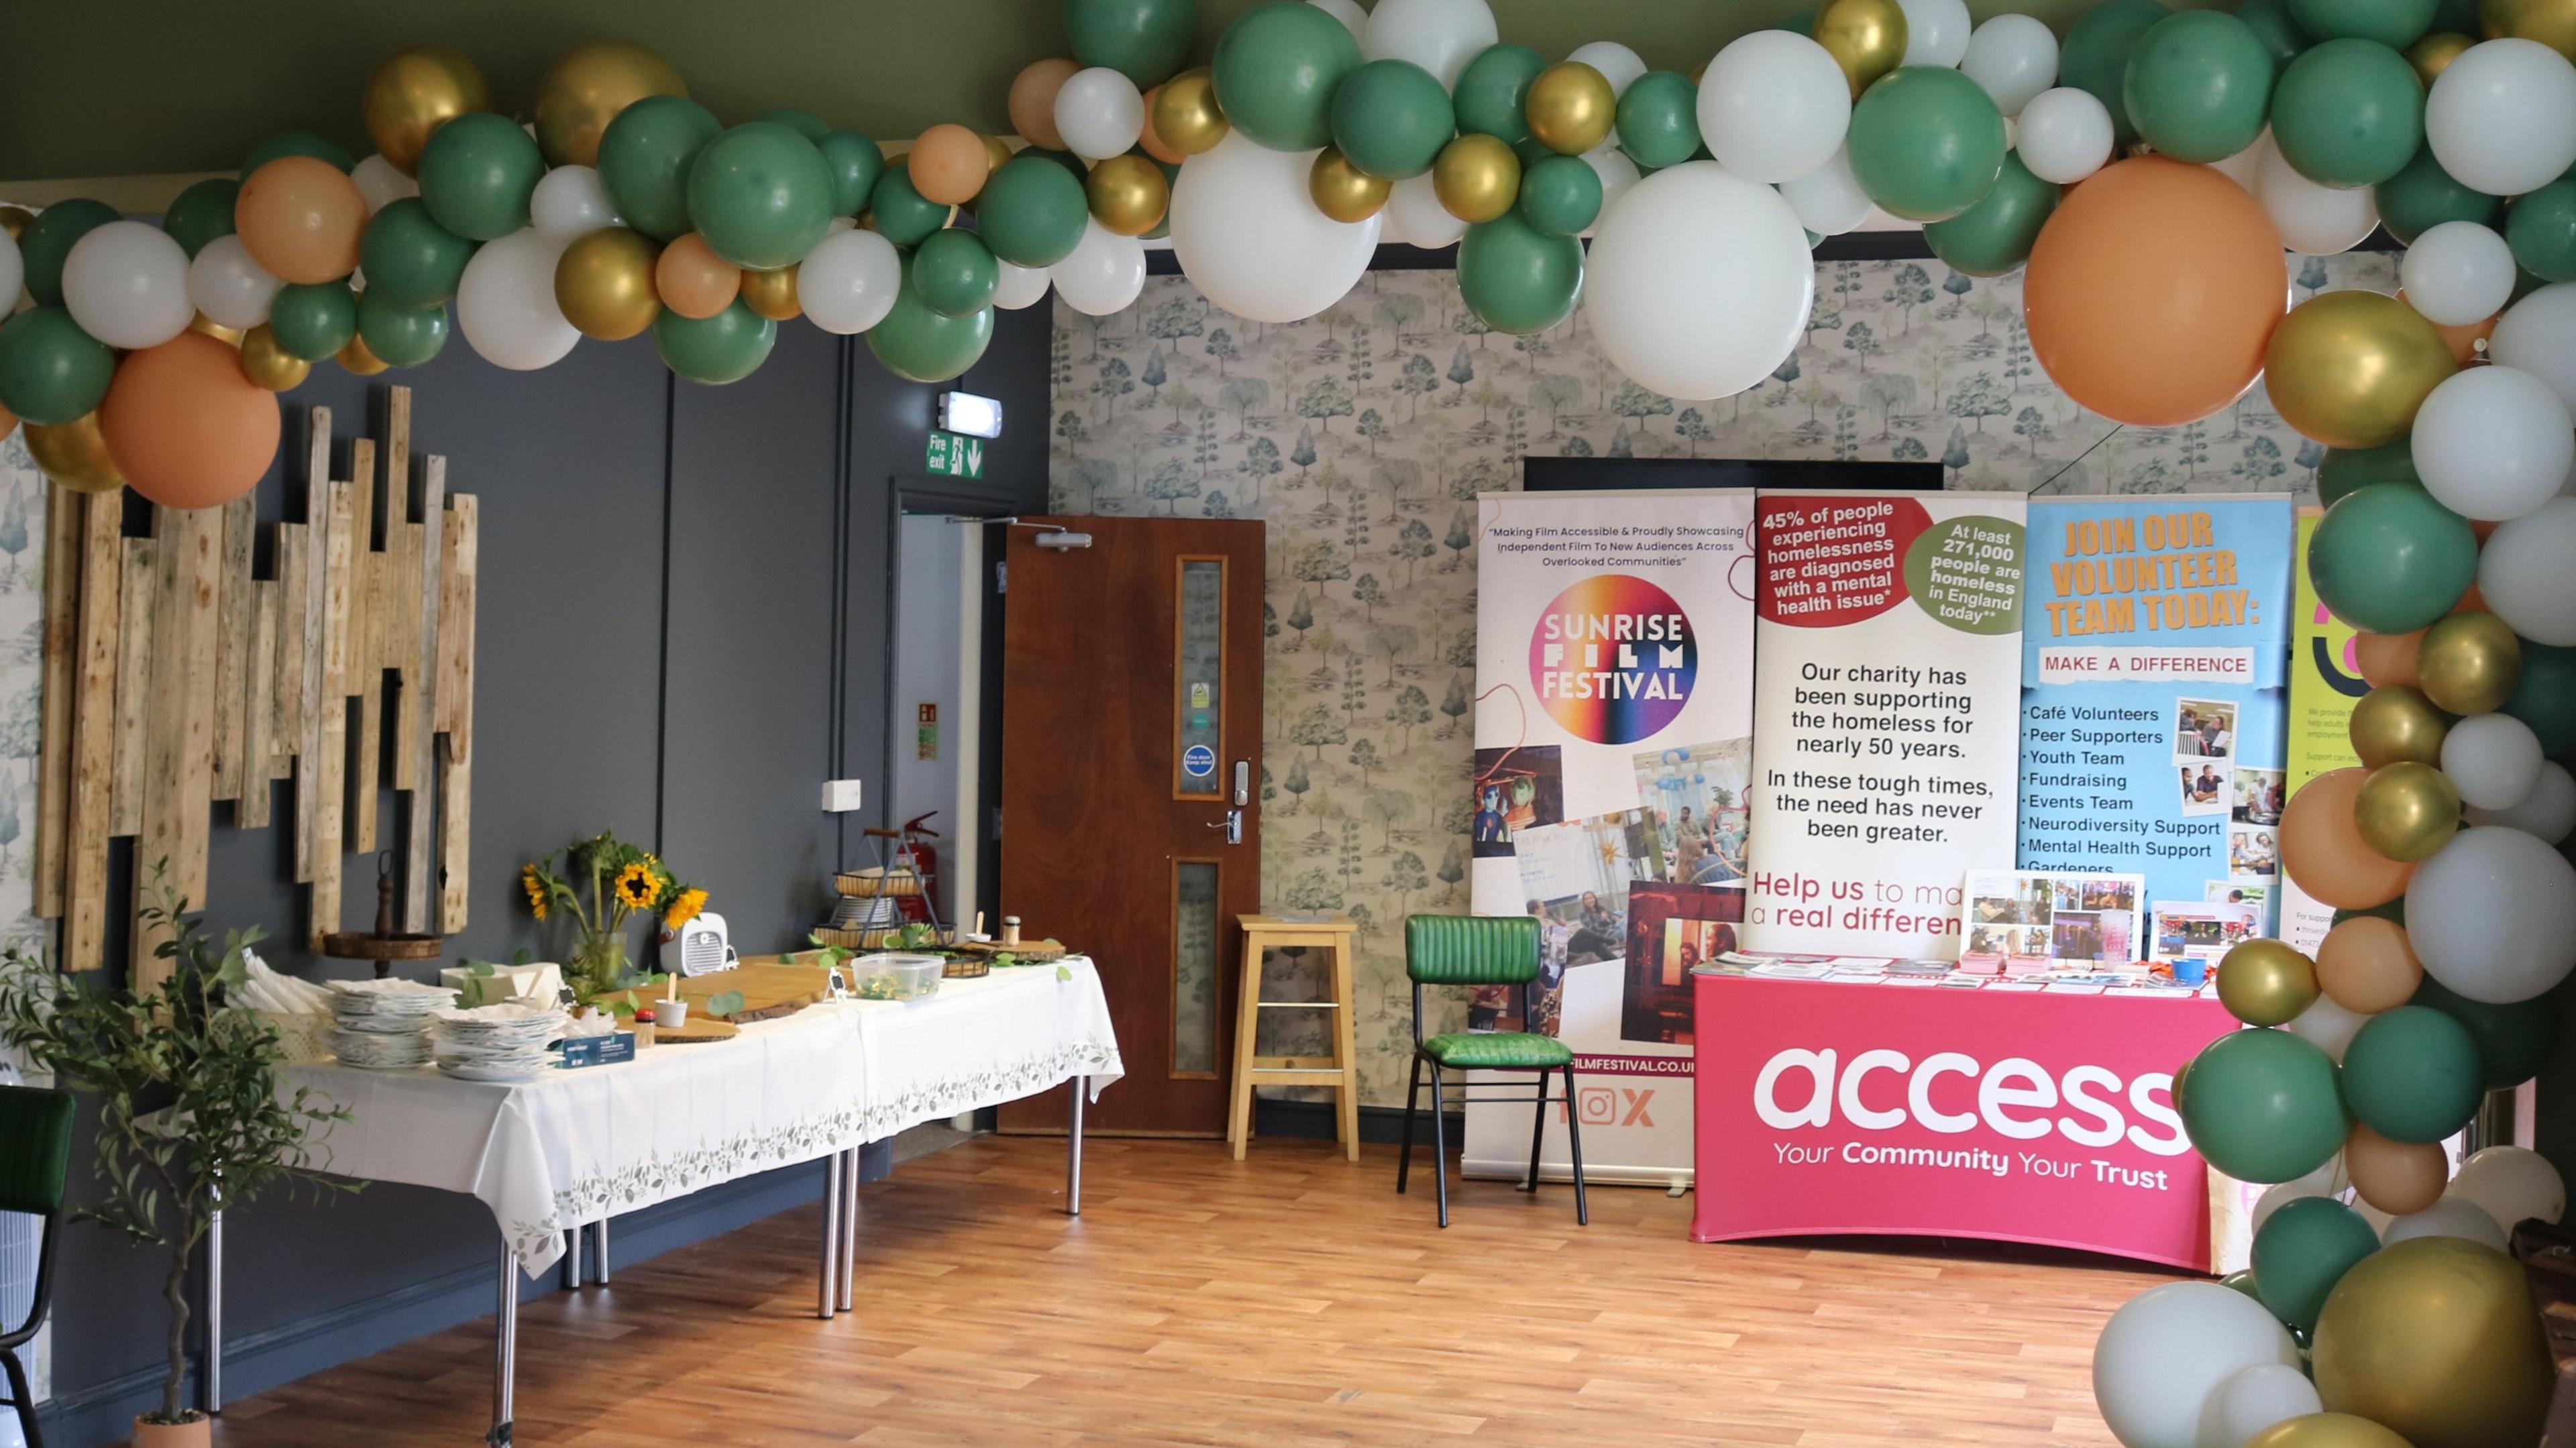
(644, 159)
(201, 213)
(298, 143)
(2459, 17)
(2263, 1106)
(856, 164)
(1493, 92)
(761, 196)
(1530, 150)
(2542, 231)
(2423, 196)
(1995, 235)
(1560, 195)
(1171, 178)
(2392, 910)
(1032, 211)
(1390, 118)
(401, 336)
(2396, 24)
(804, 123)
(2545, 697)
(52, 372)
(954, 273)
(2348, 113)
(919, 345)
(477, 173)
(411, 260)
(1802, 23)
(1144, 40)
(2241, 1280)
(1659, 119)
(2412, 1074)
(1276, 70)
(1517, 279)
(2389, 559)
(1074, 165)
(902, 214)
(2198, 84)
(2302, 1250)
(2347, 469)
(2276, 28)
(1927, 142)
(314, 321)
(2514, 1041)
(726, 347)
(2095, 56)
(2525, 282)
(49, 239)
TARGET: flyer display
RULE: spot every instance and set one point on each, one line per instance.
(2325, 682)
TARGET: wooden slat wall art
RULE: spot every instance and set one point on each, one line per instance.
(177, 679)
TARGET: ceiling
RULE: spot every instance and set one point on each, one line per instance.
(172, 86)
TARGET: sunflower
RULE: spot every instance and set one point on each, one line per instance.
(534, 884)
(684, 908)
(636, 887)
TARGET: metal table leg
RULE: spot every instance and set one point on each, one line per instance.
(505, 1348)
(571, 1277)
(1073, 1151)
(849, 1226)
(600, 1244)
(827, 1293)
(214, 1374)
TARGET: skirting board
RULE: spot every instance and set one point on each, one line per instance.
(1313, 1121)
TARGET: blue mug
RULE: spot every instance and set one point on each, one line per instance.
(2191, 970)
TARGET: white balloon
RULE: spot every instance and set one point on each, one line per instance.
(2276, 1197)
(505, 304)
(2313, 220)
(2501, 118)
(2242, 167)
(2493, 916)
(2548, 813)
(1828, 200)
(1440, 36)
(2327, 1180)
(230, 288)
(13, 273)
(2065, 135)
(2162, 1358)
(126, 283)
(2512, 1184)
(2538, 335)
(1617, 174)
(2456, 273)
(570, 202)
(2493, 759)
(2492, 443)
(1773, 106)
(1617, 63)
(1100, 113)
(1414, 208)
(849, 281)
(2453, 1216)
(1936, 32)
(2013, 56)
(2327, 1026)
(381, 184)
(2255, 1399)
(1021, 286)
(1249, 236)
(1105, 272)
(2523, 573)
(1353, 18)
(1700, 282)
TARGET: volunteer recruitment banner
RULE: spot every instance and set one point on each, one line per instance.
(2325, 682)
(1885, 750)
(1614, 654)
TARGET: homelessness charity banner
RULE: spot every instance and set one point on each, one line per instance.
(1887, 666)
(1614, 652)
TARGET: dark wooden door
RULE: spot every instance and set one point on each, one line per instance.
(1131, 734)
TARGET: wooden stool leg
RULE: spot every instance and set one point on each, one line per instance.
(1346, 1052)
(1247, 1021)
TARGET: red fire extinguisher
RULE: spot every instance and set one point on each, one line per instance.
(917, 838)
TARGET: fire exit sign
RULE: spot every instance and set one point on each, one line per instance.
(952, 456)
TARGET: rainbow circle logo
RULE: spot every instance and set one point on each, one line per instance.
(1612, 659)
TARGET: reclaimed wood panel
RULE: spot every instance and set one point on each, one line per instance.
(331, 747)
(316, 657)
(421, 840)
(455, 706)
(133, 685)
(411, 606)
(363, 662)
(232, 644)
(178, 738)
(286, 711)
(259, 686)
(54, 741)
(90, 819)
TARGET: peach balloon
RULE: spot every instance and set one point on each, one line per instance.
(948, 164)
(1033, 100)
(2463, 341)
(1155, 146)
(301, 219)
(2398, 1177)
(2387, 659)
(693, 280)
(8, 423)
(184, 425)
(2366, 965)
(2153, 290)
(2322, 848)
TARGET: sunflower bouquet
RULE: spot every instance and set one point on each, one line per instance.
(623, 881)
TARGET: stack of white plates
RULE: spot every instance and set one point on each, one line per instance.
(383, 1025)
(378, 1051)
(500, 1043)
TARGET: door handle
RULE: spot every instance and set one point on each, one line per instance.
(1232, 824)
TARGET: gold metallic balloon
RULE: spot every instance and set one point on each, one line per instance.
(2551, 22)
(15, 220)
(2266, 982)
(1865, 37)
(1571, 107)
(2436, 1339)
(1476, 177)
(2349, 368)
(585, 89)
(268, 364)
(1128, 194)
(74, 454)
(996, 151)
(772, 294)
(604, 283)
(2395, 724)
(2326, 1430)
(2407, 811)
(2433, 54)
(415, 92)
(229, 336)
(2469, 663)
(1341, 190)
(1186, 115)
(360, 359)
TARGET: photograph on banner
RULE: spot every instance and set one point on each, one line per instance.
(1696, 795)
(2205, 788)
(1672, 930)
(1576, 877)
(2021, 922)
(2191, 937)
(1516, 789)
(2237, 892)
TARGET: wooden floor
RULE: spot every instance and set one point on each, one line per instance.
(1289, 1300)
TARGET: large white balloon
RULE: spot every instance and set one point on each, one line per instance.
(1617, 63)
(126, 283)
(2457, 273)
(1936, 32)
(1414, 209)
(2538, 335)
(13, 273)
(505, 304)
(2014, 57)
(1353, 18)
(2492, 443)
(380, 184)
(1100, 113)
(230, 288)
(2493, 916)
(2313, 220)
(849, 281)
(2493, 759)
(1699, 283)
(2245, 165)
(2511, 1184)
(1773, 106)
(2501, 118)
(2255, 1399)
(1440, 36)
(1104, 274)
(1021, 286)
(2064, 135)
(2453, 1216)
(2548, 813)
(2162, 1358)
(1617, 174)
(2327, 1026)
(571, 201)
(1828, 200)
(1249, 236)
(2524, 575)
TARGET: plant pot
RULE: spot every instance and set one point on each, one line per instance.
(196, 1433)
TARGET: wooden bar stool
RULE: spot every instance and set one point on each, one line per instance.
(1339, 1070)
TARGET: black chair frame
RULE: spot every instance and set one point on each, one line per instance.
(1440, 1127)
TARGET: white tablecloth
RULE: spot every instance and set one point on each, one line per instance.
(581, 1145)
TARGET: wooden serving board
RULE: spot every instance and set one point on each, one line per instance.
(769, 988)
(1030, 950)
(695, 1032)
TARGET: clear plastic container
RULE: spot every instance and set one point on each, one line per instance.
(893, 976)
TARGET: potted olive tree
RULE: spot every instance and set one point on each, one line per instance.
(189, 1106)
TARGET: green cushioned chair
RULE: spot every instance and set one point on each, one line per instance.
(35, 1156)
(1454, 950)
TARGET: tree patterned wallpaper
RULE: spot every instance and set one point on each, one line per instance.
(1362, 436)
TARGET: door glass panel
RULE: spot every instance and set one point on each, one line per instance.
(1200, 679)
(1194, 967)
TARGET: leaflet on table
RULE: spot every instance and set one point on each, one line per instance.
(2154, 651)
(1885, 749)
(2325, 682)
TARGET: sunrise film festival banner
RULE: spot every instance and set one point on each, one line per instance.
(1614, 715)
